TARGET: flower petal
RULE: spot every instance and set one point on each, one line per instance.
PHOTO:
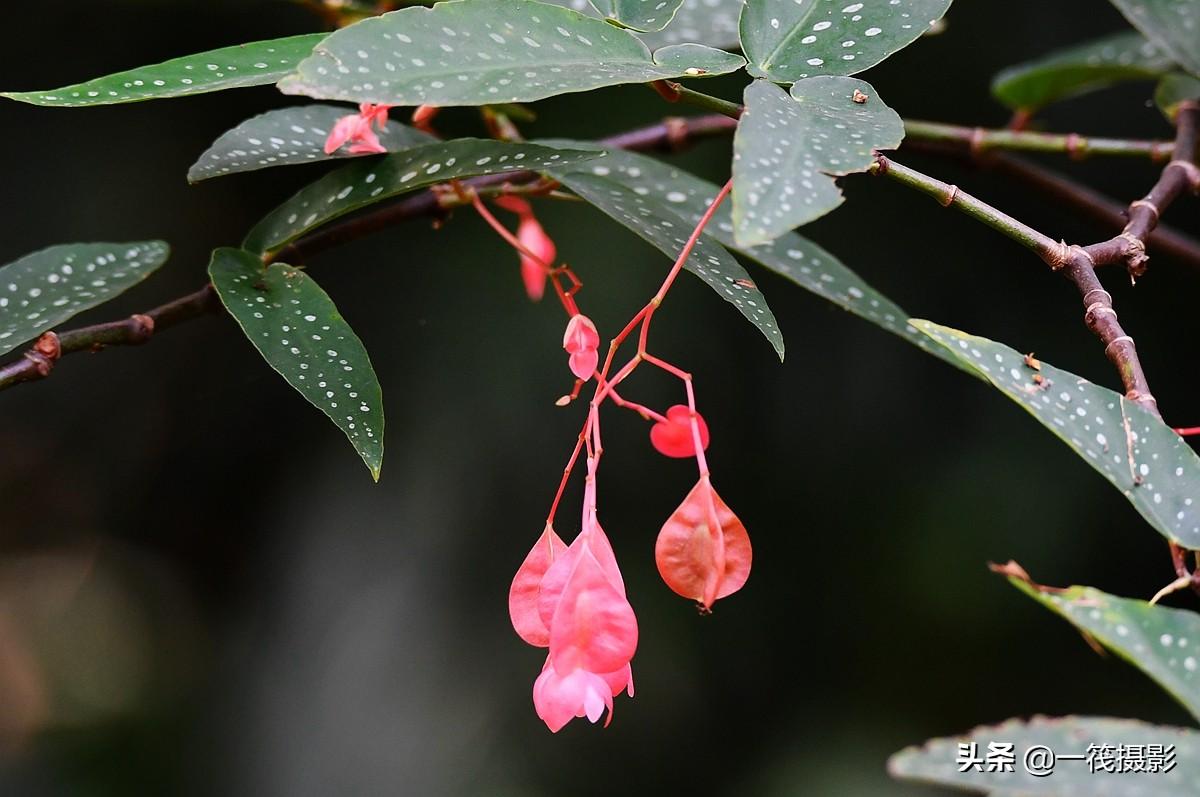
(697, 561)
(523, 595)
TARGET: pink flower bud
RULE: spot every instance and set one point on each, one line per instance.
(581, 341)
(534, 271)
(673, 437)
(355, 129)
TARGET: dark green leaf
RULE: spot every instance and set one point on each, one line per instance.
(43, 289)
(1174, 25)
(253, 64)
(1175, 89)
(937, 761)
(1162, 642)
(787, 151)
(639, 15)
(785, 40)
(1139, 455)
(1080, 69)
(370, 180)
(476, 52)
(662, 227)
(299, 332)
(289, 136)
(791, 256)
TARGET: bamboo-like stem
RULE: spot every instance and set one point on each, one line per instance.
(979, 140)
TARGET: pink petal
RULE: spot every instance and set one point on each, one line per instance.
(343, 130)
(594, 627)
(523, 595)
(699, 562)
(558, 699)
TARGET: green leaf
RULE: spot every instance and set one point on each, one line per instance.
(710, 22)
(1175, 89)
(639, 15)
(477, 52)
(1080, 69)
(1162, 642)
(937, 761)
(289, 136)
(1139, 455)
(785, 40)
(370, 180)
(45, 288)
(787, 150)
(661, 226)
(791, 256)
(253, 64)
(297, 329)
(1174, 25)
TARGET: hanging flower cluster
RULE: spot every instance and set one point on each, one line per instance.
(570, 599)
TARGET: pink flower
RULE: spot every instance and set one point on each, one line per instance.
(356, 130)
(534, 239)
(559, 699)
(581, 341)
(673, 437)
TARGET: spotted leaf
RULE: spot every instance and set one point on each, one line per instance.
(938, 760)
(252, 64)
(787, 40)
(661, 226)
(45, 288)
(369, 180)
(1080, 69)
(793, 257)
(1162, 642)
(1139, 455)
(1175, 89)
(288, 136)
(299, 332)
(639, 15)
(1173, 25)
(710, 22)
(476, 52)
(788, 149)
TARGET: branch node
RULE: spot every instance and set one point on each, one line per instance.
(1145, 203)
(1059, 256)
(143, 327)
(1134, 254)
(1191, 173)
(1076, 146)
(47, 346)
(881, 165)
(677, 133)
(948, 200)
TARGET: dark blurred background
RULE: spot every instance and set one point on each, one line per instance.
(202, 592)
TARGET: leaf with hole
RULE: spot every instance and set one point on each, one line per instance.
(370, 180)
(1174, 25)
(1174, 90)
(710, 22)
(639, 15)
(937, 761)
(254, 64)
(1162, 642)
(299, 332)
(289, 136)
(45, 288)
(661, 226)
(793, 257)
(477, 52)
(786, 40)
(1139, 455)
(1080, 69)
(788, 149)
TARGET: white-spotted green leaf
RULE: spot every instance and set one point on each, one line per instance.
(1080, 69)
(47, 287)
(1174, 25)
(1175, 89)
(640, 15)
(371, 180)
(297, 329)
(476, 52)
(787, 40)
(1135, 451)
(791, 256)
(1162, 642)
(254, 64)
(938, 760)
(661, 226)
(710, 22)
(788, 149)
(289, 136)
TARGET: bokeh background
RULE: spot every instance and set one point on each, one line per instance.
(202, 592)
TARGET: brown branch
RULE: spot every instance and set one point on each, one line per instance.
(38, 362)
